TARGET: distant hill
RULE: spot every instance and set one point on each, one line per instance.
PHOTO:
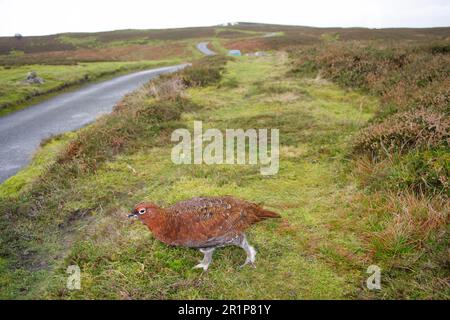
(135, 44)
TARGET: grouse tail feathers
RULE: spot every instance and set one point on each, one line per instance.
(266, 214)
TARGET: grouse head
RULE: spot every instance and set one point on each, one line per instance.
(144, 210)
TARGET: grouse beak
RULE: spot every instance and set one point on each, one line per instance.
(132, 215)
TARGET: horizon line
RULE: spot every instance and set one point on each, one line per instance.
(234, 24)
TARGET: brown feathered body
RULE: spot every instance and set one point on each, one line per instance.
(203, 222)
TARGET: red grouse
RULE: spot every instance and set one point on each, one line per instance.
(204, 223)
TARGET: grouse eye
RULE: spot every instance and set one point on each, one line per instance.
(142, 211)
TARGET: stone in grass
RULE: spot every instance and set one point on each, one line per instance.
(32, 78)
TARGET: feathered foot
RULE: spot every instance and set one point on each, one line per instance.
(251, 253)
(207, 258)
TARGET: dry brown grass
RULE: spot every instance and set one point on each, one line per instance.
(170, 88)
(122, 53)
(248, 45)
(412, 222)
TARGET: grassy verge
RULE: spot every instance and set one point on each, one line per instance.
(331, 230)
(16, 94)
(402, 158)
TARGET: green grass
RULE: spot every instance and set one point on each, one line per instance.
(319, 250)
(15, 94)
(92, 41)
(88, 41)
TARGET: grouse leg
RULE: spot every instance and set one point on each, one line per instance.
(251, 252)
(207, 258)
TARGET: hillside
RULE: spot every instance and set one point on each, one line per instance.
(151, 44)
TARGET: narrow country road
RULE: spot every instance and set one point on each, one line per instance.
(21, 132)
(203, 47)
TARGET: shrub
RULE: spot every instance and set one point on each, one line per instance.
(204, 72)
(422, 172)
(440, 48)
(415, 129)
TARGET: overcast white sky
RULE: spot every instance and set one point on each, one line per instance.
(37, 17)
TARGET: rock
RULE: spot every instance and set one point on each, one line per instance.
(32, 78)
(261, 54)
(31, 75)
